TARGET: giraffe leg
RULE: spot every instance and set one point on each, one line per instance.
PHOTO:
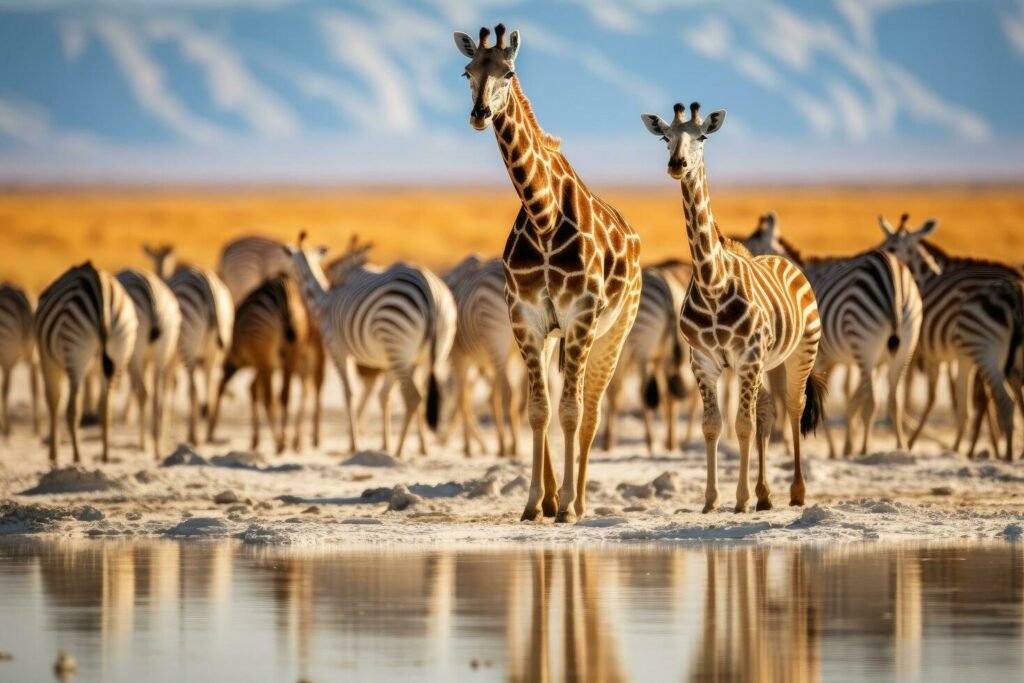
(611, 403)
(707, 374)
(932, 373)
(763, 432)
(750, 377)
(536, 352)
(570, 409)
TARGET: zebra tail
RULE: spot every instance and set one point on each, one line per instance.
(652, 397)
(814, 408)
(676, 387)
(433, 387)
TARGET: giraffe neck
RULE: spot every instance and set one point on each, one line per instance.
(531, 157)
(705, 241)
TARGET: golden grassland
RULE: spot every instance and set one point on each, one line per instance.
(46, 231)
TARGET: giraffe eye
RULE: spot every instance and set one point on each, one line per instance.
(510, 74)
(465, 74)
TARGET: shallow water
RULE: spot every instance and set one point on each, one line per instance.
(167, 611)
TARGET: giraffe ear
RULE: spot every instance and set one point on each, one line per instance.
(886, 226)
(466, 45)
(926, 229)
(655, 124)
(713, 122)
(513, 46)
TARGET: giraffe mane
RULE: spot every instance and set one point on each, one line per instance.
(732, 245)
(549, 141)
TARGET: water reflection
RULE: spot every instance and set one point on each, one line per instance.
(167, 611)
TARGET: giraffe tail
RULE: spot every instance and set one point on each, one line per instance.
(814, 408)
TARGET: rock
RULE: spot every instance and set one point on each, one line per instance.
(635, 508)
(593, 486)
(379, 494)
(372, 459)
(402, 499)
(73, 479)
(666, 483)
(484, 488)
(312, 510)
(605, 511)
(1012, 532)
(199, 526)
(942, 490)
(361, 520)
(226, 498)
(183, 455)
(145, 477)
(635, 490)
(246, 460)
(133, 516)
(520, 483)
(884, 507)
(887, 458)
(239, 508)
(87, 513)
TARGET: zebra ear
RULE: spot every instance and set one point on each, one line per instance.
(926, 229)
(770, 224)
(148, 250)
(886, 226)
(321, 251)
(466, 44)
(929, 260)
(289, 249)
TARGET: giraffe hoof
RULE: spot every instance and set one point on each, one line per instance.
(709, 507)
(565, 517)
(550, 506)
(740, 508)
(529, 515)
(763, 505)
(796, 502)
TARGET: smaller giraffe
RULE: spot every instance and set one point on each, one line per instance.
(744, 312)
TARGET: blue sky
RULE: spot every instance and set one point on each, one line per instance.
(363, 92)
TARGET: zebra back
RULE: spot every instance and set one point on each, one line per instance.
(247, 261)
(270, 318)
(207, 312)
(483, 331)
(16, 329)
(155, 305)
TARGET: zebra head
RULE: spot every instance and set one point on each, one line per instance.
(685, 137)
(164, 259)
(909, 245)
(490, 72)
(307, 262)
(355, 257)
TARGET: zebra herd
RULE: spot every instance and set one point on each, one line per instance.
(280, 310)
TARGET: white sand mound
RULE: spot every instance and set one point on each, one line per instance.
(16, 518)
(183, 455)
(402, 499)
(372, 459)
(886, 458)
(73, 479)
(239, 459)
(199, 526)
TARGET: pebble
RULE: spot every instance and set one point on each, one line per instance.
(226, 498)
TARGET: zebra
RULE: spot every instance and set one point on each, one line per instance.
(484, 343)
(398, 320)
(83, 317)
(270, 332)
(971, 317)
(871, 314)
(207, 318)
(654, 351)
(247, 262)
(156, 346)
(17, 345)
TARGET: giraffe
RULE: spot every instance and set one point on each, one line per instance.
(749, 313)
(572, 274)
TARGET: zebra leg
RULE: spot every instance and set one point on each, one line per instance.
(931, 370)
(254, 413)
(898, 375)
(965, 377)
(498, 414)
(510, 395)
(369, 377)
(462, 406)
(159, 395)
(342, 364)
(995, 380)
(193, 406)
(105, 416)
(318, 385)
(611, 401)
(138, 393)
(385, 413)
(5, 397)
(826, 371)
(33, 379)
(225, 377)
(53, 387)
(421, 423)
(763, 431)
(411, 398)
(868, 406)
(272, 407)
(647, 410)
(670, 419)
(300, 412)
(72, 411)
(981, 411)
(707, 374)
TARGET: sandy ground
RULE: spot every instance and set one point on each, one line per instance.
(326, 497)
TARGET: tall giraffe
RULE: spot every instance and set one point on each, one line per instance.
(572, 271)
(744, 312)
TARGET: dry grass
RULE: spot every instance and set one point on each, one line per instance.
(44, 232)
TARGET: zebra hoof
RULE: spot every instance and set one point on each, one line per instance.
(565, 517)
(763, 505)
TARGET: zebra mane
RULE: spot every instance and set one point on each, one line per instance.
(550, 142)
(941, 254)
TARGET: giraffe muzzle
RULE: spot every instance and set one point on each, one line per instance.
(480, 117)
(675, 168)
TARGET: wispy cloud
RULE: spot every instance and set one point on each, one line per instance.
(146, 79)
(1013, 27)
(31, 124)
(231, 85)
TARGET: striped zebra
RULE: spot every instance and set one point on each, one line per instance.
(971, 318)
(207, 318)
(156, 346)
(484, 345)
(399, 320)
(247, 262)
(654, 351)
(871, 314)
(83, 317)
(17, 345)
(270, 333)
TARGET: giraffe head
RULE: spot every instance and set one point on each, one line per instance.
(490, 72)
(685, 137)
(908, 246)
(163, 257)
